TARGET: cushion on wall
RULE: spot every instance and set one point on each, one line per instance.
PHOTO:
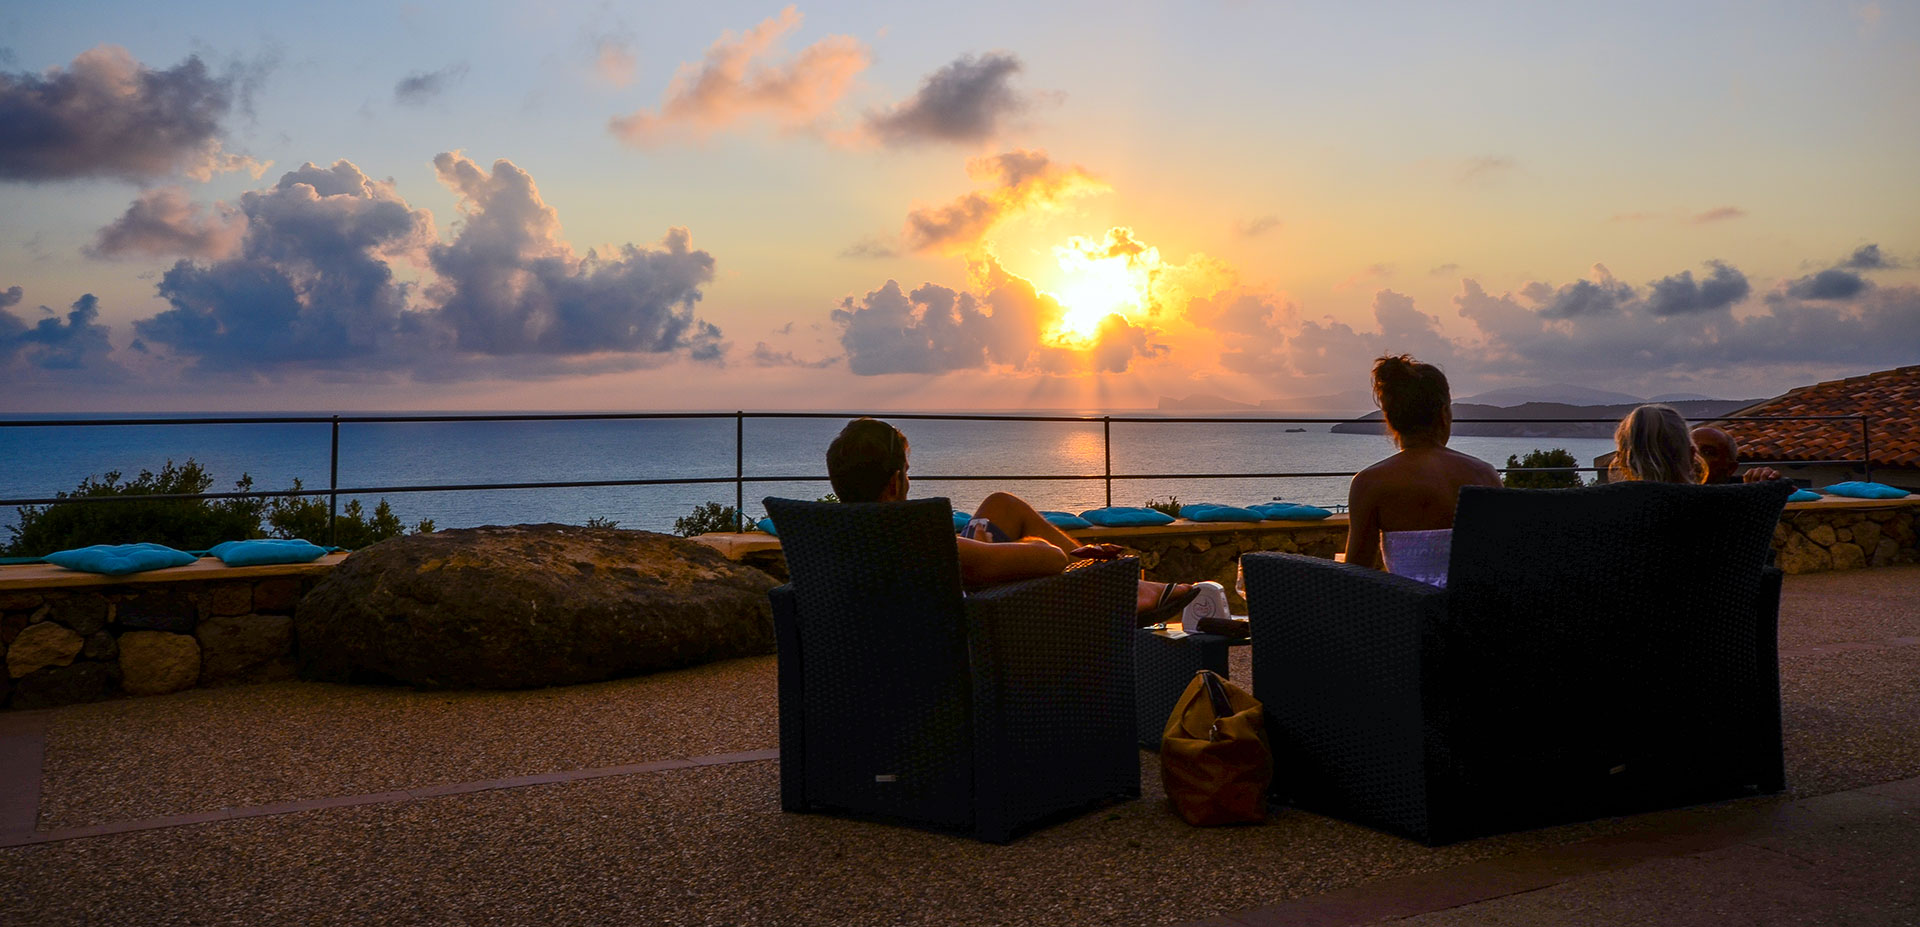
(1208, 511)
(1126, 516)
(120, 559)
(1066, 521)
(1860, 490)
(1290, 511)
(264, 551)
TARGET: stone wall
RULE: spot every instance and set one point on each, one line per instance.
(86, 642)
(1844, 536)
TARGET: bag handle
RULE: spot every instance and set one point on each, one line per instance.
(1217, 698)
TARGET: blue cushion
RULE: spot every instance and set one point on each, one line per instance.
(266, 550)
(1207, 511)
(1066, 521)
(1126, 516)
(1804, 495)
(120, 559)
(766, 524)
(1860, 490)
(1290, 511)
(960, 521)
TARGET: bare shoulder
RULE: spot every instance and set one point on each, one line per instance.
(1481, 472)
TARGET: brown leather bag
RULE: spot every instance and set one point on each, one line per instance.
(1214, 759)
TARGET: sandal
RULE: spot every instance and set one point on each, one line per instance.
(1171, 603)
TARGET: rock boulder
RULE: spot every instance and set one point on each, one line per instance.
(529, 605)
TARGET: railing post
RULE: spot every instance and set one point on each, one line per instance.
(1866, 448)
(1106, 443)
(333, 485)
(739, 470)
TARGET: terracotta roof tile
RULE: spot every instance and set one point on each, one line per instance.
(1891, 398)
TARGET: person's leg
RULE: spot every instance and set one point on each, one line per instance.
(1012, 515)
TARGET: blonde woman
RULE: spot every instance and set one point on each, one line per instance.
(1652, 444)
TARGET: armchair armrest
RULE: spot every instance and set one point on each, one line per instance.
(1053, 682)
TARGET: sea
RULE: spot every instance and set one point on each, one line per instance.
(1153, 460)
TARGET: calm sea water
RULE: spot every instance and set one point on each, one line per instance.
(37, 462)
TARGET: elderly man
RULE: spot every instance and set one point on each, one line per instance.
(1721, 454)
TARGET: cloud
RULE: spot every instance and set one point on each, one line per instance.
(1256, 227)
(509, 285)
(1868, 257)
(312, 286)
(1680, 294)
(737, 80)
(1015, 181)
(1364, 274)
(871, 248)
(1588, 298)
(418, 88)
(931, 330)
(107, 115)
(1442, 270)
(1485, 169)
(613, 60)
(1718, 214)
(967, 101)
(79, 347)
(765, 356)
(1828, 284)
(164, 223)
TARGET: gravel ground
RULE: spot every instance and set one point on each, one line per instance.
(709, 845)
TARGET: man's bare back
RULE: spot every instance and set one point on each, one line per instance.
(1414, 490)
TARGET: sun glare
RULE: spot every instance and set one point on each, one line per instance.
(1098, 280)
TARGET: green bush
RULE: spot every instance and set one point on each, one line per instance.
(190, 524)
(305, 517)
(707, 519)
(1171, 507)
(598, 522)
(1557, 457)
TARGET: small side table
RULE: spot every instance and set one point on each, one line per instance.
(1163, 665)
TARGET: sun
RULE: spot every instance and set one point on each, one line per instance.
(1099, 279)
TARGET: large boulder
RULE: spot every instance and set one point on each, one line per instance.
(529, 605)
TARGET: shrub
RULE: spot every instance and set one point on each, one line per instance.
(707, 519)
(1171, 506)
(598, 522)
(306, 517)
(188, 524)
(1557, 457)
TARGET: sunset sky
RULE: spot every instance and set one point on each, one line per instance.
(495, 205)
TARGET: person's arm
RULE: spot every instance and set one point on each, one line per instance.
(1363, 522)
(1760, 475)
(983, 563)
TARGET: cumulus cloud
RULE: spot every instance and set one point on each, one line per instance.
(1679, 293)
(967, 101)
(765, 356)
(1587, 298)
(164, 223)
(931, 330)
(421, 87)
(1834, 283)
(1868, 257)
(1014, 182)
(739, 79)
(107, 115)
(510, 285)
(312, 285)
(75, 347)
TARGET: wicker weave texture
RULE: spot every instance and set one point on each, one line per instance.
(1598, 651)
(906, 699)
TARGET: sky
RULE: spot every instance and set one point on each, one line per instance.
(211, 206)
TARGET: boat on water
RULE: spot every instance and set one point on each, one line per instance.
(1296, 429)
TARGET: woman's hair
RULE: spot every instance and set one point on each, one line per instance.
(862, 460)
(1415, 398)
(1653, 445)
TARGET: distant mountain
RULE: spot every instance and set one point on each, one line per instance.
(1347, 402)
(1201, 402)
(1514, 424)
(1680, 397)
(1562, 393)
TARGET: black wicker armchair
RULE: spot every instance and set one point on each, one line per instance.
(901, 698)
(1597, 651)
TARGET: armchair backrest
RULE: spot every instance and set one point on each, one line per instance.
(883, 639)
(1601, 627)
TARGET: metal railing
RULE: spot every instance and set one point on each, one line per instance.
(740, 478)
